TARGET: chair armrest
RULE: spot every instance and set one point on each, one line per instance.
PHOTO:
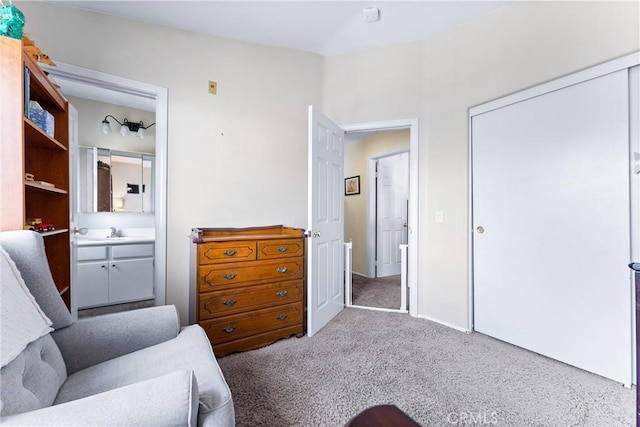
(93, 340)
(167, 400)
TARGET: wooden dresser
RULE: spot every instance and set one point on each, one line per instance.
(247, 285)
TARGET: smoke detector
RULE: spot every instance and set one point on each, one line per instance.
(371, 14)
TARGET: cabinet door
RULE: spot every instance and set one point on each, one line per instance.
(93, 284)
(131, 280)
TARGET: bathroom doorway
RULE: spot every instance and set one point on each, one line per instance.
(98, 94)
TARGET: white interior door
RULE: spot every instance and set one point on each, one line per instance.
(391, 212)
(551, 225)
(325, 261)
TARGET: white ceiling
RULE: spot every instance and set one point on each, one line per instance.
(323, 27)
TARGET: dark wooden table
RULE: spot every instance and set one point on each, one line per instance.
(382, 416)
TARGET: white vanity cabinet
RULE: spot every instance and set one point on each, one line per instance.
(114, 273)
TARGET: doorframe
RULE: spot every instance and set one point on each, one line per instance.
(160, 94)
(372, 212)
(413, 220)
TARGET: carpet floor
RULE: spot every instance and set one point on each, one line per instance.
(381, 292)
(437, 375)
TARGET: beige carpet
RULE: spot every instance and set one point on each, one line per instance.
(381, 292)
(438, 375)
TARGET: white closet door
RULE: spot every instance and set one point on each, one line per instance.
(551, 191)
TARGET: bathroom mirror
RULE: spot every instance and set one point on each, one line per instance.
(115, 181)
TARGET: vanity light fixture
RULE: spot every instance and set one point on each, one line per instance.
(126, 127)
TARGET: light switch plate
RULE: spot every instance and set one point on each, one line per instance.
(213, 87)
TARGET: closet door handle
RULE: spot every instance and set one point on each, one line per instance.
(230, 302)
(282, 293)
(230, 252)
(282, 269)
(229, 276)
(283, 249)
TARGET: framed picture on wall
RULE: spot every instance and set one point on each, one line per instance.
(352, 185)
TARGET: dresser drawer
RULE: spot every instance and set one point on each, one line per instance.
(225, 276)
(222, 303)
(257, 341)
(237, 326)
(221, 252)
(269, 249)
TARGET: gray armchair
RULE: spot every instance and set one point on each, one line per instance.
(131, 368)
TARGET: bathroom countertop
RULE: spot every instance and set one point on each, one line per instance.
(101, 241)
(125, 236)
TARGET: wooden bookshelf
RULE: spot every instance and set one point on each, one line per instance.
(25, 148)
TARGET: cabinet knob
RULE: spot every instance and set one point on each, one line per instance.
(103, 266)
(282, 269)
(229, 329)
(282, 293)
(229, 276)
(283, 249)
(230, 302)
(230, 252)
(282, 316)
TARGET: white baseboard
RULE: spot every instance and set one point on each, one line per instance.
(443, 323)
(389, 310)
(359, 274)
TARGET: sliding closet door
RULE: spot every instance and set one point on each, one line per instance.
(551, 225)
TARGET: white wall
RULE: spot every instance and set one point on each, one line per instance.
(234, 159)
(239, 158)
(356, 162)
(437, 80)
(90, 116)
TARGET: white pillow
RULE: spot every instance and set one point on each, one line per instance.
(22, 320)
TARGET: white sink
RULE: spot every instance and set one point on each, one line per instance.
(118, 240)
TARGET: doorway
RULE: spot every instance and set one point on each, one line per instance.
(122, 88)
(328, 254)
(376, 218)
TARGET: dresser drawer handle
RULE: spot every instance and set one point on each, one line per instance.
(283, 249)
(230, 302)
(229, 329)
(230, 252)
(282, 269)
(230, 276)
(282, 293)
(282, 316)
